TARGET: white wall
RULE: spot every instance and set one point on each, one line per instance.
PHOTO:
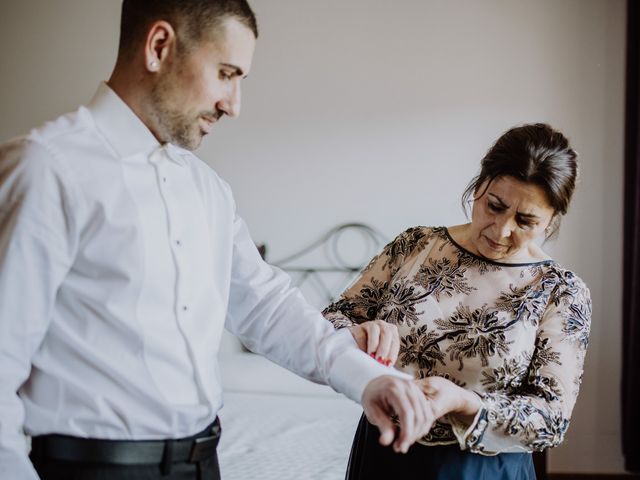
(377, 111)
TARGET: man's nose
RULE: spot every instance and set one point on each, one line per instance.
(231, 103)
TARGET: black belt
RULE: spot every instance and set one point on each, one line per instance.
(193, 449)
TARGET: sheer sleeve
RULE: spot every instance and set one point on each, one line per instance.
(368, 296)
(537, 415)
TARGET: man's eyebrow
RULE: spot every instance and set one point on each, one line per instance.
(238, 71)
(522, 214)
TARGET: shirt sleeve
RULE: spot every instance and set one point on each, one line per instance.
(370, 296)
(35, 254)
(537, 415)
(273, 319)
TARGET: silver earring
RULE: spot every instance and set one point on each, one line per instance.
(153, 64)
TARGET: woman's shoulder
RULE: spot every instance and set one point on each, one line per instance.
(567, 284)
(411, 239)
(406, 244)
(421, 233)
(571, 297)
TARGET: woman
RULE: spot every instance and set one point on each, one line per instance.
(492, 328)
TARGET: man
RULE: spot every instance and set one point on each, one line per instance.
(122, 259)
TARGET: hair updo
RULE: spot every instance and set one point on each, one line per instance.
(535, 154)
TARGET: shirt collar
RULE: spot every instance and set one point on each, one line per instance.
(124, 130)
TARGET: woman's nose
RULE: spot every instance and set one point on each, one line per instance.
(504, 227)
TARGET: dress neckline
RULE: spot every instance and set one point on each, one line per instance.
(493, 262)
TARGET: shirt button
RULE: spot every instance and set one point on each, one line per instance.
(164, 179)
(178, 242)
(185, 308)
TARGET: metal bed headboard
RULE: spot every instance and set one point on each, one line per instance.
(324, 265)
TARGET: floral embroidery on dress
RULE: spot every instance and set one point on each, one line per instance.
(526, 303)
(507, 377)
(400, 305)
(576, 324)
(516, 334)
(395, 251)
(420, 347)
(474, 333)
(471, 261)
(442, 277)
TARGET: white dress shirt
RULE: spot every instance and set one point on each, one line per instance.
(121, 261)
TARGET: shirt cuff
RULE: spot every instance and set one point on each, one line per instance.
(352, 370)
(469, 436)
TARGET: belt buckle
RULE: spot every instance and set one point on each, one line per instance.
(203, 447)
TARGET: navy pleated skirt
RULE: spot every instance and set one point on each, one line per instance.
(370, 461)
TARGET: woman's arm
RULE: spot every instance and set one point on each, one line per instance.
(361, 307)
(537, 415)
(446, 397)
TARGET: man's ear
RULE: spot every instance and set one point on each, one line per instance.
(160, 41)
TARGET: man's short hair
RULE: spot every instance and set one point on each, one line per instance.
(192, 20)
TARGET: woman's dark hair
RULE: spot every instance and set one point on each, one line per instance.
(535, 154)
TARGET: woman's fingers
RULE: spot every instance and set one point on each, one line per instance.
(387, 339)
(379, 339)
(373, 337)
(384, 341)
(395, 346)
(360, 336)
(445, 397)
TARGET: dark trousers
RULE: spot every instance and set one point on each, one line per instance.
(371, 461)
(54, 469)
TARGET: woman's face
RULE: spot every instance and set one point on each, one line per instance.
(506, 217)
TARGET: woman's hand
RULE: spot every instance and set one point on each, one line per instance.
(447, 397)
(379, 339)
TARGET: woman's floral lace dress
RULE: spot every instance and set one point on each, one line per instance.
(516, 334)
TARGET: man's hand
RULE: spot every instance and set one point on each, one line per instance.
(387, 395)
(379, 339)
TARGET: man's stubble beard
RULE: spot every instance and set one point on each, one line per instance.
(172, 125)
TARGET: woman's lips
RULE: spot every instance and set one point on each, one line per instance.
(494, 245)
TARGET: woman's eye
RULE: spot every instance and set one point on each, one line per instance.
(494, 208)
(525, 224)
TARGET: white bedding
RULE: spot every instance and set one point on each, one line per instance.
(278, 426)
